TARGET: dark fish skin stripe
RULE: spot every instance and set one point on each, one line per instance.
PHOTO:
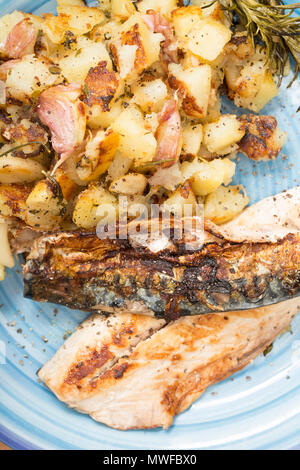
(82, 272)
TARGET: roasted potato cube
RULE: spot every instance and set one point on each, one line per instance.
(239, 46)
(25, 132)
(46, 206)
(76, 19)
(208, 39)
(188, 169)
(263, 140)
(225, 203)
(98, 155)
(131, 184)
(67, 185)
(101, 87)
(144, 47)
(255, 93)
(204, 36)
(119, 166)
(194, 86)
(221, 135)
(123, 9)
(206, 177)
(135, 141)
(97, 118)
(13, 200)
(251, 86)
(55, 27)
(94, 205)
(192, 139)
(150, 96)
(19, 170)
(69, 168)
(186, 19)
(268, 90)
(88, 54)
(27, 77)
(203, 178)
(125, 58)
(6, 257)
(225, 167)
(182, 197)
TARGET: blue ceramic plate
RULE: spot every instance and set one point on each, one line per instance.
(257, 408)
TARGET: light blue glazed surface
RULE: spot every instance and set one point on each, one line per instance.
(258, 408)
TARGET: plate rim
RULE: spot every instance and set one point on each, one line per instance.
(14, 441)
(17, 442)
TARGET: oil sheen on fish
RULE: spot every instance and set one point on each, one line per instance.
(136, 372)
(239, 266)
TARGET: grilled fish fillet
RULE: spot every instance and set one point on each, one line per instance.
(135, 372)
(253, 261)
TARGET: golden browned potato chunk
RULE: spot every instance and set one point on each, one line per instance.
(131, 184)
(27, 77)
(136, 142)
(136, 47)
(183, 196)
(123, 9)
(76, 19)
(19, 170)
(24, 132)
(184, 20)
(66, 184)
(75, 64)
(94, 205)
(203, 36)
(13, 200)
(225, 203)
(99, 154)
(151, 95)
(250, 83)
(263, 140)
(194, 86)
(192, 138)
(100, 87)
(46, 206)
(222, 135)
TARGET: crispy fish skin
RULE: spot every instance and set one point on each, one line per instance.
(82, 272)
(250, 262)
(164, 374)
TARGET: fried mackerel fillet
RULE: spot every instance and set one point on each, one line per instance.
(132, 372)
(250, 262)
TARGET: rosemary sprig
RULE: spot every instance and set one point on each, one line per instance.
(270, 24)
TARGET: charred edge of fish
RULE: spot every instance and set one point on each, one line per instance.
(213, 279)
